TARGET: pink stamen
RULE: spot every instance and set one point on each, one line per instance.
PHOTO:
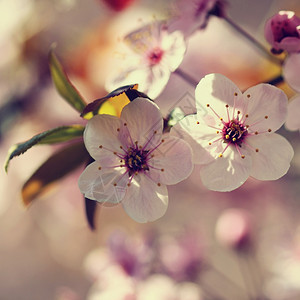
(238, 150)
(221, 119)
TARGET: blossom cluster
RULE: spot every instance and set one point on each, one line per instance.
(234, 139)
(135, 152)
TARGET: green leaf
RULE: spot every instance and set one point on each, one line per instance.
(55, 135)
(63, 85)
(58, 165)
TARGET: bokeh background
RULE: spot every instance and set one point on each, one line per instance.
(47, 251)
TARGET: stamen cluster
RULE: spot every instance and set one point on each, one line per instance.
(234, 132)
(136, 160)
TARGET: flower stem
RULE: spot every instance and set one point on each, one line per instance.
(186, 77)
(252, 40)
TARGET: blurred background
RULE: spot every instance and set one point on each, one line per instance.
(239, 245)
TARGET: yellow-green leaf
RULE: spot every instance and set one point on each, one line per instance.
(113, 103)
(55, 135)
(63, 85)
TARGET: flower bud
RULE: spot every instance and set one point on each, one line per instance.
(282, 31)
(118, 5)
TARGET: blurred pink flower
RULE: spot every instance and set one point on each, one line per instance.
(293, 121)
(282, 31)
(193, 15)
(187, 256)
(114, 284)
(234, 138)
(233, 228)
(291, 69)
(118, 5)
(164, 288)
(134, 161)
(134, 255)
(155, 54)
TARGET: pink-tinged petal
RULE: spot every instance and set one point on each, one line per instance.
(151, 79)
(217, 91)
(291, 69)
(266, 107)
(198, 135)
(290, 44)
(144, 122)
(157, 78)
(293, 120)
(273, 158)
(282, 32)
(174, 48)
(268, 32)
(102, 130)
(145, 201)
(133, 71)
(228, 172)
(104, 185)
(172, 161)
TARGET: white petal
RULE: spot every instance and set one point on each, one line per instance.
(136, 72)
(174, 46)
(144, 122)
(267, 107)
(217, 91)
(198, 135)
(228, 172)
(101, 130)
(158, 77)
(293, 120)
(172, 161)
(145, 201)
(105, 185)
(273, 159)
(291, 69)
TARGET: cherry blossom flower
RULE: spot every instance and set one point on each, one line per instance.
(192, 15)
(235, 138)
(291, 69)
(134, 161)
(293, 122)
(155, 54)
(282, 31)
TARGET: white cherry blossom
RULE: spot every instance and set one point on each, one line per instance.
(155, 53)
(235, 138)
(134, 161)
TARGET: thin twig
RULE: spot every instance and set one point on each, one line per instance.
(252, 40)
(186, 77)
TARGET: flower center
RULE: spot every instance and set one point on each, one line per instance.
(234, 132)
(155, 56)
(136, 160)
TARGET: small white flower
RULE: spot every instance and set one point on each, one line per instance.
(134, 161)
(235, 139)
(155, 54)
